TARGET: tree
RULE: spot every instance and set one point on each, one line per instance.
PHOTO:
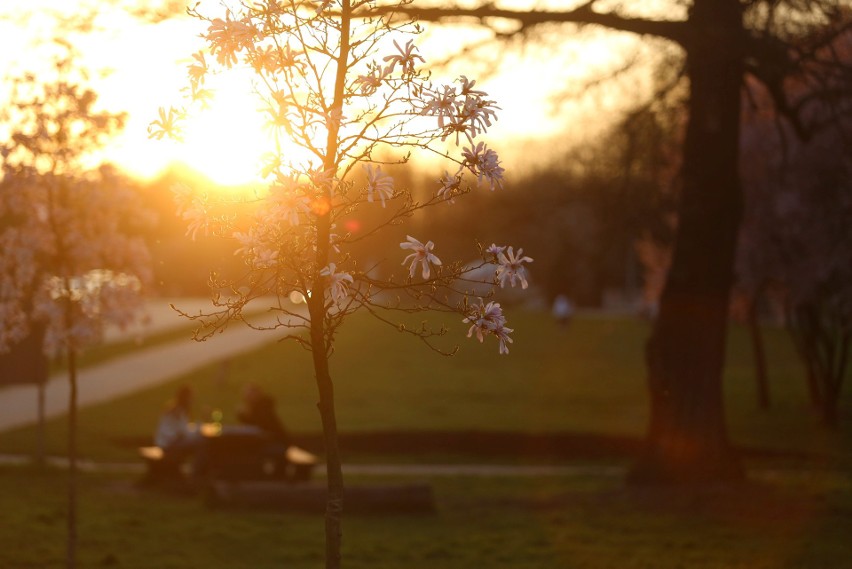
(723, 42)
(71, 262)
(350, 92)
(796, 238)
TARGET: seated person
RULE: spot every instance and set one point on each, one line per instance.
(176, 435)
(258, 410)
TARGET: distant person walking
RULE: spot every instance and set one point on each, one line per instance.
(563, 310)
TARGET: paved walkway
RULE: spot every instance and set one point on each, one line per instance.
(129, 373)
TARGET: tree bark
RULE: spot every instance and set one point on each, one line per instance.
(687, 439)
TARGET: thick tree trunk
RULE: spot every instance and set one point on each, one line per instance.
(687, 439)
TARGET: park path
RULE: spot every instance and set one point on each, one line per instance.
(131, 372)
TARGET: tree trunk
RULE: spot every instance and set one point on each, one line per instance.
(763, 399)
(334, 470)
(687, 439)
(40, 437)
(317, 309)
(71, 559)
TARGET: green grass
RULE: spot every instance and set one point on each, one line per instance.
(587, 379)
(501, 523)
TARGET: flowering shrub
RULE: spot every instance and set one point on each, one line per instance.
(68, 259)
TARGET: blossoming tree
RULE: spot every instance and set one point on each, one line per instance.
(348, 87)
(70, 261)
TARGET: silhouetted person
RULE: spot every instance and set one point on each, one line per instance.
(258, 410)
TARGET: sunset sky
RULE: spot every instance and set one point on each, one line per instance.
(147, 68)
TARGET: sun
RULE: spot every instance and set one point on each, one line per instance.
(225, 141)
(228, 140)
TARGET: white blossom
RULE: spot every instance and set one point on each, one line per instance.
(467, 87)
(379, 183)
(495, 249)
(512, 268)
(405, 57)
(228, 37)
(420, 254)
(256, 248)
(287, 203)
(484, 163)
(373, 80)
(168, 125)
(322, 5)
(338, 282)
(441, 104)
(488, 319)
(192, 207)
(449, 185)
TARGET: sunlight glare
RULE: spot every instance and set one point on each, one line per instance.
(227, 141)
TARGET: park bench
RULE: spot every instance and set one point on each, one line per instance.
(160, 469)
(233, 459)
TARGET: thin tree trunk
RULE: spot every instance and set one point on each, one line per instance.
(71, 560)
(334, 470)
(687, 439)
(317, 309)
(763, 398)
(40, 436)
(798, 335)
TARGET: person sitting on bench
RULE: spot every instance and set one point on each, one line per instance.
(258, 410)
(176, 434)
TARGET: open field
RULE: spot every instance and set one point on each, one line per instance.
(588, 379)
(796, 522)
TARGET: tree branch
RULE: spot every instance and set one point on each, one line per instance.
(676, 31)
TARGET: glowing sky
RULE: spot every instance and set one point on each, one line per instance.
(148, 69)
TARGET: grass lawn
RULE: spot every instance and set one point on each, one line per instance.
(586, 379)
(500, 523)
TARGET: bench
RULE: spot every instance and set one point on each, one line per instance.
(240, 456)
(232, 459)
(160, 468)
